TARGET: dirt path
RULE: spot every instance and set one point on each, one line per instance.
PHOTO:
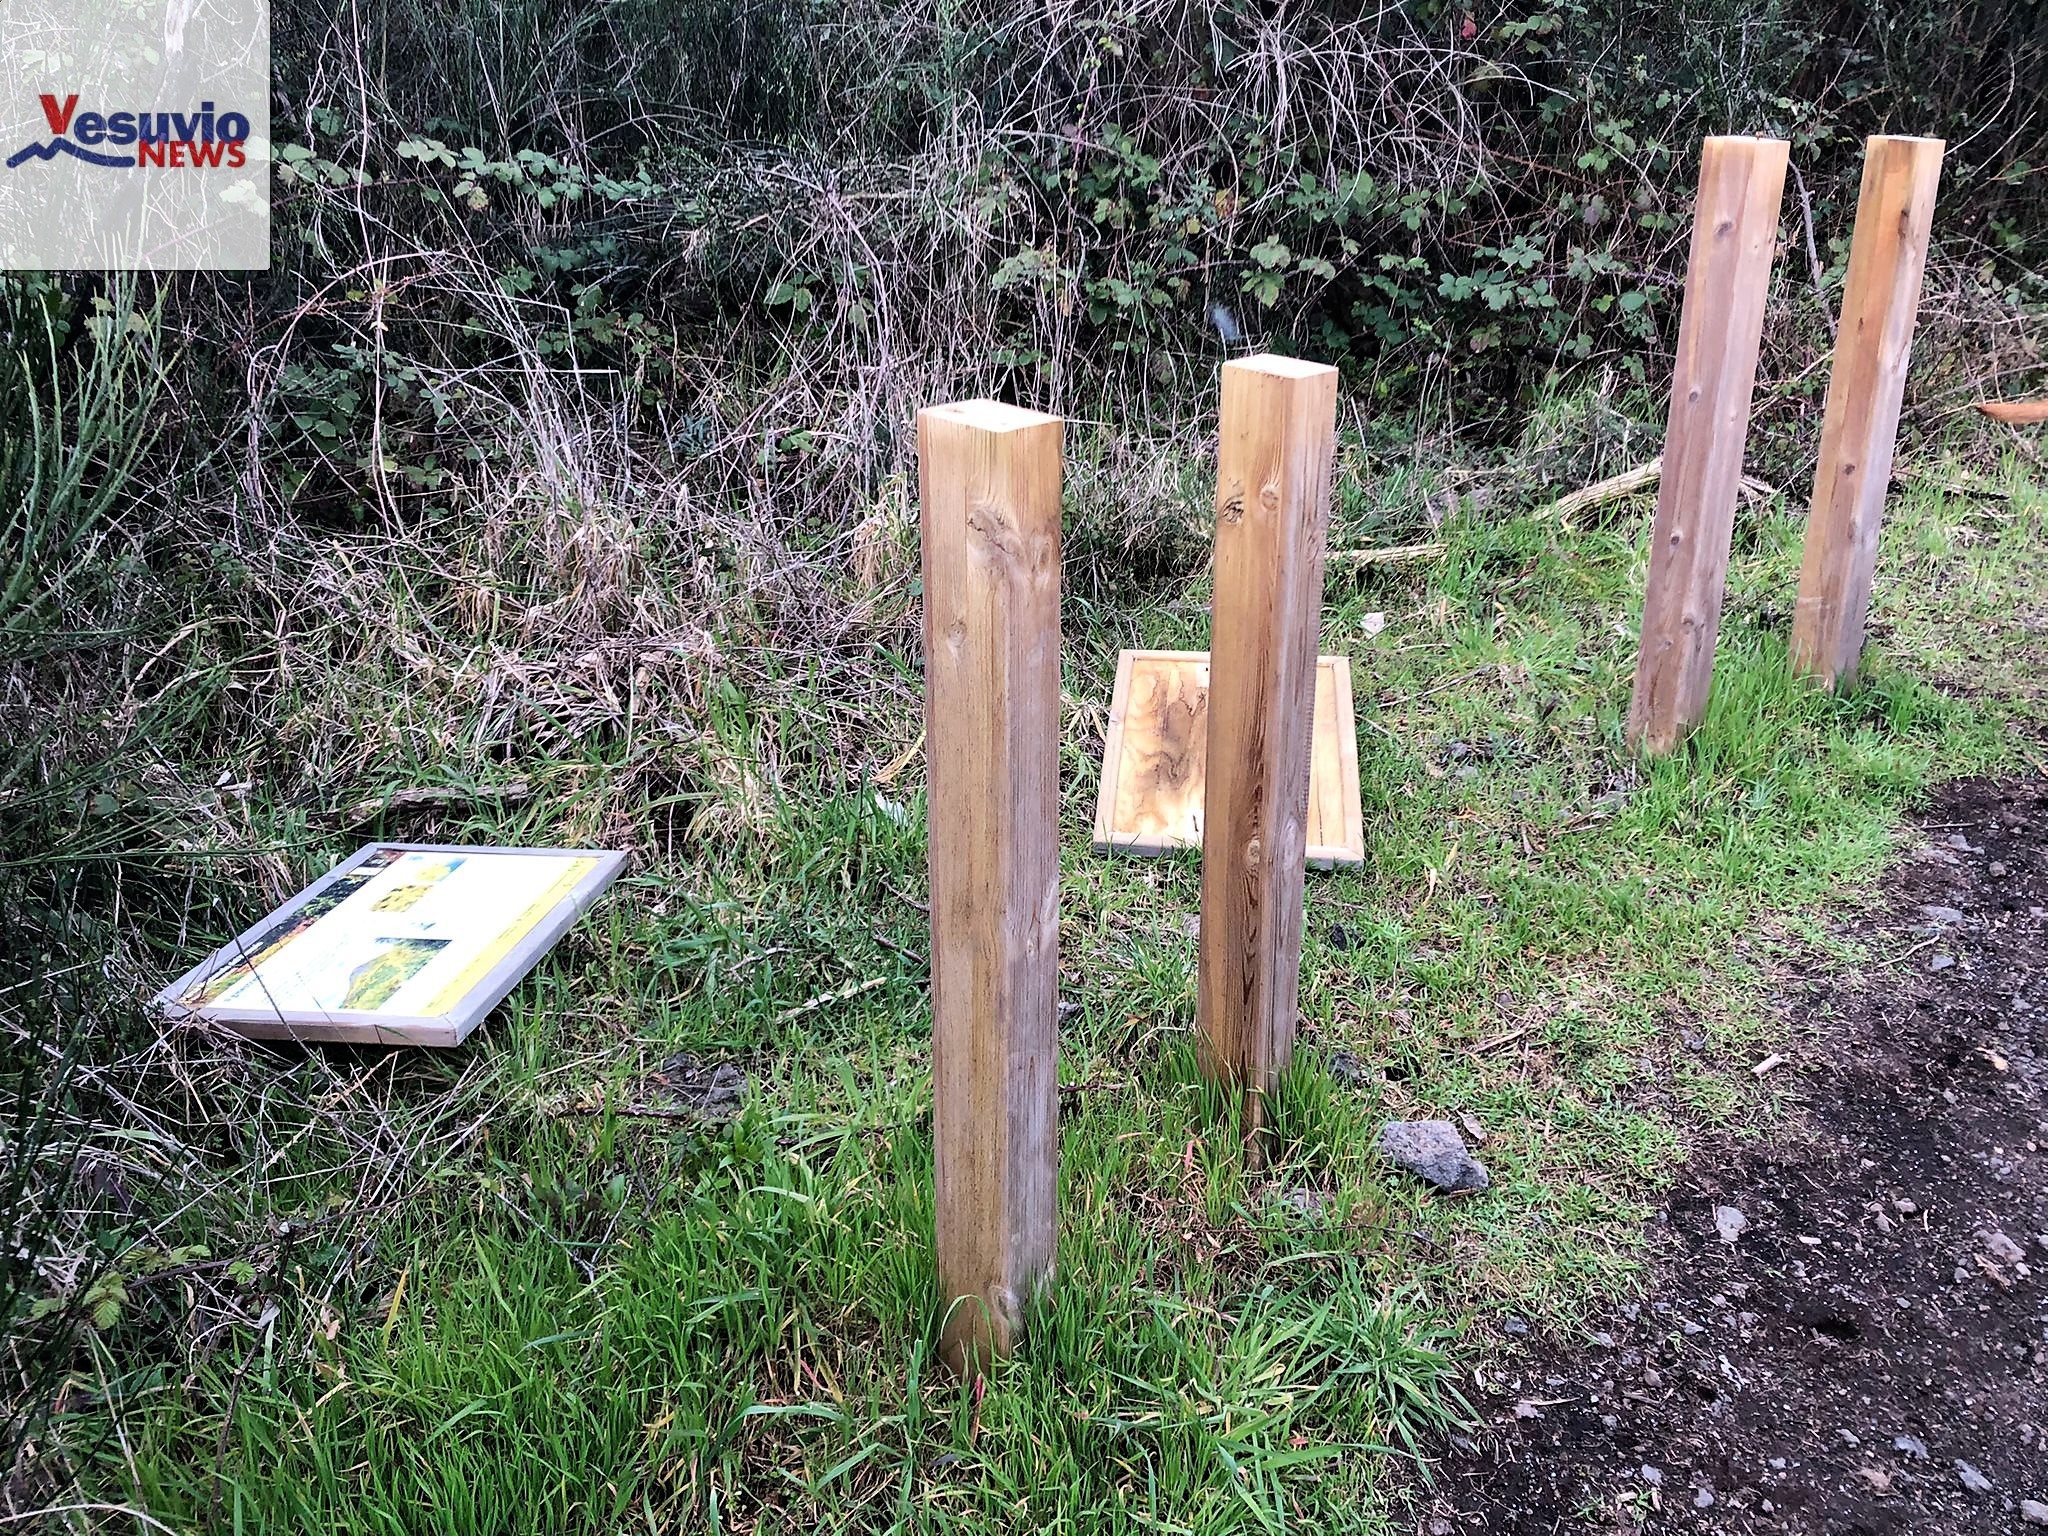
(1870, 1352)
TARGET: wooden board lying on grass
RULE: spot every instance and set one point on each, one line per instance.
(1154, 761)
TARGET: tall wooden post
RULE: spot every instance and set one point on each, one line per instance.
(1272, 524)
(1734, 236)
(1894, 213)
(989, 483)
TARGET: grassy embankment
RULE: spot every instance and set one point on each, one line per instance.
(505, 1303)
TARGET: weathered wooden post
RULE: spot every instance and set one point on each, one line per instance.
(989, 484)
(1734, 236)
(1272, 523)
(1894, 212)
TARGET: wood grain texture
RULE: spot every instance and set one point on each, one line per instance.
(1278, 432)
(989, 485)
(1734, 237)
(1155, 756)
(1880, 299)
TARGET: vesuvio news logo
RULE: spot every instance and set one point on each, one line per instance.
(125, 140)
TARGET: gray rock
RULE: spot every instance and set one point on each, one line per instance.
(2003, 1248)
(1652, 1475)
(2034, 1512)
(1434, 1152)
(1309, 1204)
(1973, 1480)
(1910, 1445)
(1948, 917)
(1729, 1222)
(1941, 962)
(1703, 1498)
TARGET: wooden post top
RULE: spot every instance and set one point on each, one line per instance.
(1279, 367)
(989, 415)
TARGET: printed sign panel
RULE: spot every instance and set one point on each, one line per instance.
(409, 943)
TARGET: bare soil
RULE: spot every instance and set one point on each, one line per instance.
(1870, 1352)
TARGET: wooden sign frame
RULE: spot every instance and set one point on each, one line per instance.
(1161, 681)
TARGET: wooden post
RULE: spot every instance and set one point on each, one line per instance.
(989, 483)
(1894, 213)
(1272, 525)
(1734, 236)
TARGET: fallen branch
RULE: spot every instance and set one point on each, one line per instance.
(1627, 483)
(846, 993)
(437, 796)
(1393, 554)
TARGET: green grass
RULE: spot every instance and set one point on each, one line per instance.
(504, 1305)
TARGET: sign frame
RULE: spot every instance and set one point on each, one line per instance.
(372, 1027)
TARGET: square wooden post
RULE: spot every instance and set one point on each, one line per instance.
(1894, 213)
(1278, 436)
(989, 485)
(1734, 237)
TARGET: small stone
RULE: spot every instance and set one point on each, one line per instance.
(1603, 1341)
(1910, 1445)
(2034, 1512)
(1729, 1222)
(1941, 962)
(1653, 1476)
(1777, 1463)
(1703, 1498)
(1961, 844)
(1434, 1152)
(1516, 1326)
(1309, 1204)
(2003, 1248)
(1904, 1207)
(1973, 1480)
(1995, 869)
(1947, 917)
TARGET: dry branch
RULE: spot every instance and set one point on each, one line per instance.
(1627, 483)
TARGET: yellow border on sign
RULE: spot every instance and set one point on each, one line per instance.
(487, 959)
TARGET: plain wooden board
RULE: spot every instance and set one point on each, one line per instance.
(354, 1027)
(1276, 440)
(1880, 299)
(1150, 798)
(1720, 326)
(989, 489)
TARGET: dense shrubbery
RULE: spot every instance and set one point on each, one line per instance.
(808, 204)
